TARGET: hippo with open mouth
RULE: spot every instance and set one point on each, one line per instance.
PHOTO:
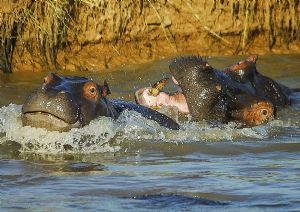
(153, 97)
(237, 93)
(62, 103)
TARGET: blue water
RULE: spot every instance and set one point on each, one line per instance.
(134, 164)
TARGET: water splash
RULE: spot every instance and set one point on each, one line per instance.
(107, 135)
(92, 138)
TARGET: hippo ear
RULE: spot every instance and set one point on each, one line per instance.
(105, 89)
(252, 58)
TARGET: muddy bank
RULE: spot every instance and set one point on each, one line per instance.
(97, 34)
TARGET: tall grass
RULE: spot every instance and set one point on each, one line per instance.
(35, 31)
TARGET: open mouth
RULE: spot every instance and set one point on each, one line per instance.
(143, 97)
(42, 119)
(138, 96)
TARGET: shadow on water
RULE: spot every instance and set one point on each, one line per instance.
(174, 201)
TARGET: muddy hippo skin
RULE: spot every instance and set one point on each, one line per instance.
(62, 103)
(237, 93)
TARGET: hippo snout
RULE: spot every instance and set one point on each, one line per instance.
(51, 110)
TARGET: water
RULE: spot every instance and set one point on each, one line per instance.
(134, 164)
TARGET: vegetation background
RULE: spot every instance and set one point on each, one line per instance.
(98, 34)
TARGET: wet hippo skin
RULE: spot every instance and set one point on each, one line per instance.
(63, 103)
(237, 93)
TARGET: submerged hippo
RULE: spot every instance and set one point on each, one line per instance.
(237, 93)
(62, 103)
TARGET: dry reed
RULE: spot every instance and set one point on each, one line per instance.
(42, 28)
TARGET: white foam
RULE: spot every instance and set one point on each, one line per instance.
(92, 138)
(106, 135)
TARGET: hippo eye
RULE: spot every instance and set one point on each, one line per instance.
(264, 112)
(90, 90)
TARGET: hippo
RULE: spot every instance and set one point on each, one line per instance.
(66, 102)
(236, 93)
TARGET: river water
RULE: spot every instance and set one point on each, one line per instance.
(134, 164)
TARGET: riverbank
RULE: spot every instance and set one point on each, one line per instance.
(93, 35)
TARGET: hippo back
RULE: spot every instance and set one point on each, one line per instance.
(148, 113)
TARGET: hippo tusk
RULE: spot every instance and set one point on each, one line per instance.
(174, 80)
(158, 86)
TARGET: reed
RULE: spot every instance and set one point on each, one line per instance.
(34, 32)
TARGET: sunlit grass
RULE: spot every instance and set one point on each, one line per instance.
(42, 28)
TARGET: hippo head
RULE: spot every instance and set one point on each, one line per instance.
(62, 103)
(200, 85)
(231, 94)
